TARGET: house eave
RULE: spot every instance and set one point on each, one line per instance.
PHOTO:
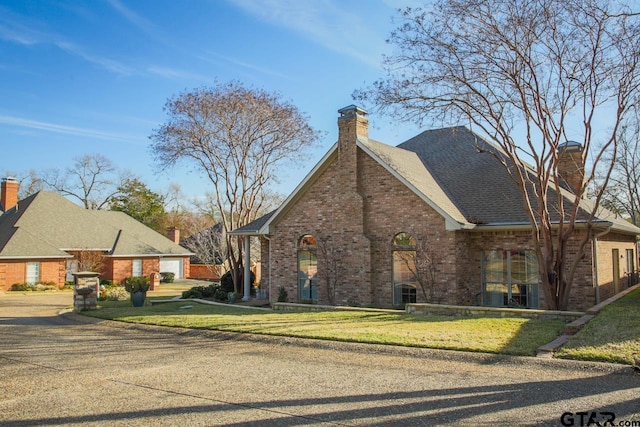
(19, 257)
(150, 255)
(526, 226)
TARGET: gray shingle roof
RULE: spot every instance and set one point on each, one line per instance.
(475, 182)
(454, 171)
(46, 224)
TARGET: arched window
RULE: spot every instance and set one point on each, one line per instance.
(307, 269)
(404, 267)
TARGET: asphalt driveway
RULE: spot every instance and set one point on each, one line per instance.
(71, 370)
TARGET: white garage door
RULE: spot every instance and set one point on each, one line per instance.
(173, 265)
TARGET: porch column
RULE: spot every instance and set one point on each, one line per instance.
(247, 270)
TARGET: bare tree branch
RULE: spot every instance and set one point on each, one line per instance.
(236, 136)
(531, 75)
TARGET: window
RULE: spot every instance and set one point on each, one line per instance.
(33, 272)
(137, 268)
(630, 261)
(510, 279)
(404, 267)
(631, 268)
(307, 269)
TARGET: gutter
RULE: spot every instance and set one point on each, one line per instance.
(36, 257)
(526, 226)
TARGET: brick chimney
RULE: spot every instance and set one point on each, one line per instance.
(351, 123)
(571, 165)
(173, 234)
(8, 193)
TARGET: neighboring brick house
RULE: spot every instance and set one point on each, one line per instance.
(349, 231)
(43, 236)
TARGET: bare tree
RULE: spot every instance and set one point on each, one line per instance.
(30, 182)
(622, 194)
(236, 136)
(536, 68)
(333, 267)
(90, 260)
(209, 245)
(423, 262)
(92, 180)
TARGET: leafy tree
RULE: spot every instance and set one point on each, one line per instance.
(92, 179)
(236, 136)
(534, 67)
(136, 200)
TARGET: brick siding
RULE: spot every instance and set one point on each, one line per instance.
(358, 206)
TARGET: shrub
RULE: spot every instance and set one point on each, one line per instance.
(283, 295)
(106, 282)
(40, 286)
(23, 287)
(211, 291)
(137, 284)
(226, 281)
(167, 277)
(220, 295)
(48, 286)
(113, 293)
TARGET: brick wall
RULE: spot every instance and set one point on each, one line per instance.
(201, 271)
(12, 272)
(358, 206)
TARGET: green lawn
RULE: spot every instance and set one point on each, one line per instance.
(612, 336)
(491, 335)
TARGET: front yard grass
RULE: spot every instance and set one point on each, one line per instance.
(512, 336)
(612, 336)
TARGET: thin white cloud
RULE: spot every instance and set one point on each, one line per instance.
(252, 67)
(16, 29)
(325, 22)
(140, 22)
(101, 61)
(67, 130)
(172, 73)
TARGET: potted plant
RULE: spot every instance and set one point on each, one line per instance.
(137, 288)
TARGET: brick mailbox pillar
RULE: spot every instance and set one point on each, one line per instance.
(85, 291)
(154, 281)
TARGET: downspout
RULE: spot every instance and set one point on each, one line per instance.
(247, 269)
(596, 281)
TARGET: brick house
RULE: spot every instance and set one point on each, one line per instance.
(43, 237)
(351, 229)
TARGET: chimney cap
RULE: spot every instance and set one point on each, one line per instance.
(570, 146)
(352, 110)
(9, 179)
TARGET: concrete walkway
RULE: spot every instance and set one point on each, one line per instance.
(73, 370)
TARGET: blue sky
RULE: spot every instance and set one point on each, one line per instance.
(83, 77)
